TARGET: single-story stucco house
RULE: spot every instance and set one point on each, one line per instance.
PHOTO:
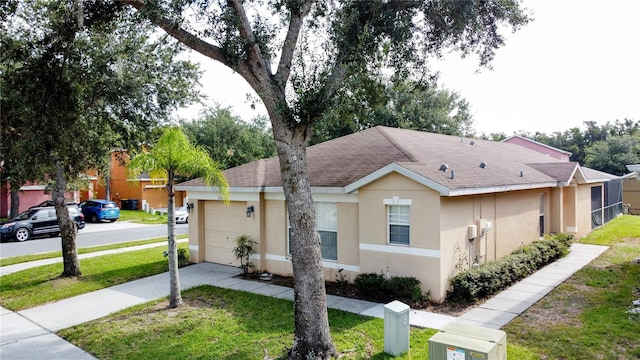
(401, 202)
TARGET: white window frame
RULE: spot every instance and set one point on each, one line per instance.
(322, 227)
(397, 202)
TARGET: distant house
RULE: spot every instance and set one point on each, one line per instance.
(631, 189)
(550, 151)
(142, 193)
(30, 194)
(401, 202)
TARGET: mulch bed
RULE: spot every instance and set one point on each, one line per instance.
(350, 290)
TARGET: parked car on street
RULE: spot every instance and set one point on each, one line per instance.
(50, 203)
(37, 221)
(98, 210)
(182, 215)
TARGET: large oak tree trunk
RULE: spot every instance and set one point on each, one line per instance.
(67, 226)
(312, 338)
(175, 298)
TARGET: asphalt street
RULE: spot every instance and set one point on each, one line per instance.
(93, 234)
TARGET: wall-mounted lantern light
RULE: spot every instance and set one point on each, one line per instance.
(189, 207)
(250, 210)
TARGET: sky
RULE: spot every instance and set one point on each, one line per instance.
(576, 61)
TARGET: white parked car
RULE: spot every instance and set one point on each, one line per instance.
(182, 215)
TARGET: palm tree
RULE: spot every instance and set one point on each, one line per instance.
(173, 155)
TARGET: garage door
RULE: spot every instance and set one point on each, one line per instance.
(222, 224)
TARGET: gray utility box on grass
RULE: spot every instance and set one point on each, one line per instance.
(467, 342)
(396, 328)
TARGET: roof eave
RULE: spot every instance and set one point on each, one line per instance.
(504, 188)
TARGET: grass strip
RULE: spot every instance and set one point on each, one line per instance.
(40, 285)
(141, 217)
(218, 323)
(56, 254)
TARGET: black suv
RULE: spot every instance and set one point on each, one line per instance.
(37, 221)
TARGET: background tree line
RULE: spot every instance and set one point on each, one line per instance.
(410, 105)
(608, 147)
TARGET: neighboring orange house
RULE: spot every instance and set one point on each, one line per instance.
(143, 193)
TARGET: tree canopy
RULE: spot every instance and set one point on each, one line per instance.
(402, 103)
(229, 140)
(80, 78)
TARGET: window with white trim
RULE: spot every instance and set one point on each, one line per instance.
(399, 224)
(327, 222)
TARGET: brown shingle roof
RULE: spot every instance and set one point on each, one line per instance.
(344, 161)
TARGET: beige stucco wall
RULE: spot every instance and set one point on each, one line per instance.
(517, 219)
(631, 195)
(455, 248)
(514, 218)
(196, 233)
(583, 210)
(569, 205)
(421, 258)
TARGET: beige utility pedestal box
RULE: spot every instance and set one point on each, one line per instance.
(458, 341)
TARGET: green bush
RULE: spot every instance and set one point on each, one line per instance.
(376, 287)
(183, 257)
(370, 285)
(485, 280)
(405, 289)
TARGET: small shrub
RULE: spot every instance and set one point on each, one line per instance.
(183, 257)
(405, 289)
(342, 280)
(243, 251)
(370, 284)
(376, 287)
(483, 281)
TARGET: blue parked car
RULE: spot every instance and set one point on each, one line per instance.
(99, 210)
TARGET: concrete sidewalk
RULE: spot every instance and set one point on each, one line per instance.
(30, 333)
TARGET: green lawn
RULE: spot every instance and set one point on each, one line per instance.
(40, 285)
(586, 317)
(216, 323)
(141, 217)
(55, 254)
